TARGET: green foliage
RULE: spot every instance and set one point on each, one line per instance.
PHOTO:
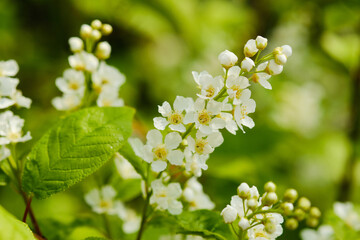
(127, 151)
(11, 228)
(4, 179)
(205, 223)
(76, 147)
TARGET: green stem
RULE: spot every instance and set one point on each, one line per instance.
(264, 211)
(188, 131)
(107, 225)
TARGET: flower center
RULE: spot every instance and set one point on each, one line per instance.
(237, 91)
(80, 67)
(106, 103)
(13, 136)
(210, 91)
(160, 152)
(255, 78)
(200, 145)
(261, 234)
(104, 81)
(244, 113)
(176, 118)
(105, 204)
(74, 86)
(161, 194)
(204, 117)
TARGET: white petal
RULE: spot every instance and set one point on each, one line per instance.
(181, 103)
(205, 129)
(160, 123)
(263, 82)
(217, 123)
(5, 103)
(176, 157)
(154, 138)
(178, 127)
(9, 68)
(137, 146)
(199, 104)
(108, 192)
(215, 139)
(172, 140)
(248, 121)
(189, 117)
(174, 190)
(214, 107)
(175, 207)
(250, 105)
(158, 166)
(235, 71)
(165, 109)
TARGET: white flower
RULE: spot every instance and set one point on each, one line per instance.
(194, 194)
(103, 201)
(259, 233)
(244, 223)
(72, 82)
(132, 222)
(238, 204)
(76, 44)
(68, 101)
(243, 190)
(262, 77)
(103, 50)
(173, 117)
(124, 168)
(166, 196)
(157, 152)
(236, 88)
(210, 86)
(325, 232)
(205, 118)
(7, 88)
(261, 42)
(109, 97)
(8, 68)
(227, 59)
(241, 114)
(250, 48)
(195, 163)
(280, 59)
(83, 61)
(11, 129)
(273, 68)
(107, 76)
(287, 50)
(20, 100)
(347, 213)
(247, 64)
(205, 144)
(229, 214)
(4, 152)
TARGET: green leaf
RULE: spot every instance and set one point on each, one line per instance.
(205, 223)
(76, 147)
(128, 153)
(4, 179)
(95, 238)
(11, 228)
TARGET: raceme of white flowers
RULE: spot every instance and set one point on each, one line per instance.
(258, 217)
(188, 130)
(10, 124)
(90, 79)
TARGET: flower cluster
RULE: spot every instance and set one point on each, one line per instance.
(10, 124)
(89, 79)
(261, 217)
(188, 130)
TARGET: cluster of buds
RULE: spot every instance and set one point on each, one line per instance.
(188, 131)
(89, 79)
(10, 124)
(262, 216)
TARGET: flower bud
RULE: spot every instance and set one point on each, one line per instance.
(85, 31)
(273, 69)
(250, 48)
(304, 203)
(244, 223)
(287, 50)
(103, 50)
(254, 193)
(280, 59)
(287, 208)
(299, 214)
(229, 214)
(291, 224)
(76, 44)
(96, 24)
(270, 187)
(95, 35)
(290, 195)
(252, 204)
(106, 29)
(261, 42)
(270, 199)
(227, 59)
(270, 227)
(315, 212)
(247, 64)
(243, 191)
(312, 222)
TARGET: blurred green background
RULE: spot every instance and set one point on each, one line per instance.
(301, 138)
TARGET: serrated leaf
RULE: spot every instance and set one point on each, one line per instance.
(11, 228)
(128, 153)
(76, 147)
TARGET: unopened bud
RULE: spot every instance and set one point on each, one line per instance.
(76, 44)
(244, 223)
(252, 204)
(229, 214)
(315, 212)
(261, 42)
(96, 35)
(287, 208)
(304, 203)
(103, 50)
(85, 31)
(273, 69)
(287, 50)
(227, 59)
(96, 24)
(244, 191)
(270, 227)
(247, 64)
(291, 224)
(299, 214)
(270, 187)
(280, 59)
(106, 29)
(312, 222)
(270, 199)
(250, 48)
(290, 195)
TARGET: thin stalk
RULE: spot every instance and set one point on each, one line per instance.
(263, 211)
(27, 209)
(107, 226)
(188, 131)
(32, 215)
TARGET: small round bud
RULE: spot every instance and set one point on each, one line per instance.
(96, 35)
(244, 191)
(270, 187)
(76, 44)
(280, 59)
(287, 50)
(291, 224)
(277, 51)
(252, 204)
(270, 199)
(261, 42)
(227, 59)
(247, 64)
(299, 214)
(270, 227)
(106, 29)
(244, 223)
(273, 69)
(103, 50)
(304, 203)
(229, 214)
(290, 195)
(250, 48)
(312, 222)
(96, 24)
(288, 208)
(315, 212)
(85, 31)
(254, 193)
